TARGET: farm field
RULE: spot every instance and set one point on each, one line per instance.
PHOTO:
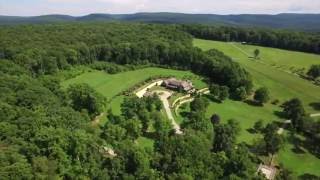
(282, 85)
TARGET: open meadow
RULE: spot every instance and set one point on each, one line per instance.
(282, 85)
(272, 70)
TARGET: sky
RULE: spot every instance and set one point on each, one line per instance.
(84, 7)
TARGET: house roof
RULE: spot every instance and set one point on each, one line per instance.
(178, 83)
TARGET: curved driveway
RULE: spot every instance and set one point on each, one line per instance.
(164, 95)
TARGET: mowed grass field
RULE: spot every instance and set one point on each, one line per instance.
(281, 59)
(282, 85)
(111, 85)
(272, 71)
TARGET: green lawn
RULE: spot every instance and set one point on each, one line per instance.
(245, 114)
(282, 85)
(299, 163)
(110, 85)
(272, 71)
(283, 59)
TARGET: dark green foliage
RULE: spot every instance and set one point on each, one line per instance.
(40, 135)
(83, 97)
(199, 104)
(47, 49)
(219, 92)
(307, 22)
(291, 40)
(256, 53)
(162, 126)
(46, 132)
(225, 136)
(262, 95)
(294, 111)
(240, 93)
(258, 126)
(314, 71)
(273, 140)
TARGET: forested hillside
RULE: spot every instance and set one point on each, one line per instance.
(303, 22)
(290, 40)
(46, 131)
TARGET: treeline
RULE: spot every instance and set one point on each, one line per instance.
(47, 49)
(290, 40)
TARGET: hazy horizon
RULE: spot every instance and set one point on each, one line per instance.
(151, 12)
(85, 7)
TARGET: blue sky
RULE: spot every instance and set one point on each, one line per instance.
(83, 7)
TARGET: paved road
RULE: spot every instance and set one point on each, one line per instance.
(164, 95)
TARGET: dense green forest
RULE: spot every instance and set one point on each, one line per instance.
(46, 131)
(49, 48)
(302, 22)
(284, 39)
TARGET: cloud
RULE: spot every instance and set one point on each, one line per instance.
(81, 7)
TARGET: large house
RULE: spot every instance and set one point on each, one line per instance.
(175, 84)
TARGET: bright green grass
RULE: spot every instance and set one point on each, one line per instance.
(245, 114)
(282, 85)
(115, 105)
(111, 85)
(145, 142)
(287, 60)
(299, 164)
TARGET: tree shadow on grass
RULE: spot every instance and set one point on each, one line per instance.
(184, 114)
(252, 131)
(308, 176)
(315, 105)
(297, 144)
(298, 150)
(212, 98)
(150, 135)
(253, 103)
(279, 114)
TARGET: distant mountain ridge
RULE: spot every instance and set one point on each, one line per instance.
(306, 22)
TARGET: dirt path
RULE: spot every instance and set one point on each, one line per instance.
(180, 104)
(96, 120)
(315, 115)
(141, 92)
(164, 95)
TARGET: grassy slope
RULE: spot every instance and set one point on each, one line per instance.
(110, 85)
(282, 85)
(246, 114)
